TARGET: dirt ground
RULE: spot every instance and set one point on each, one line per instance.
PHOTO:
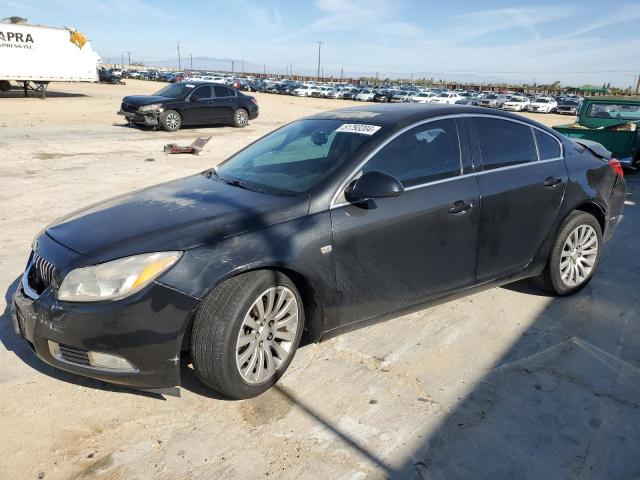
(507, 383)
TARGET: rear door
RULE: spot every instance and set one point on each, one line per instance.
(396, 252)
(522, 180)
(225, 103)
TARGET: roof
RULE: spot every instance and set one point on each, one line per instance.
(402, 114)
(614, 98)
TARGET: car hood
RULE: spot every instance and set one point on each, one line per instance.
(177, 215)
(146, 99)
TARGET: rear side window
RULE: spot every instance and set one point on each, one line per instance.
(424, 154)
(221, 91)
(504, 143)
(548, 147)
(201, 92)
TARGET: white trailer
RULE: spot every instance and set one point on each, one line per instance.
(34, 55)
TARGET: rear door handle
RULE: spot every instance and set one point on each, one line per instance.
(552, 181)
(460, 207)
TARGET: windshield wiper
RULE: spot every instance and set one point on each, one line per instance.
(241, 184)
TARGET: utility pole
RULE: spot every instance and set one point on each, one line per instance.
(264, 70)
(233, 66)
(341, 73)
(122, 61)
(242, 62)
(319, 48)
(179, 65)
(129, 53)
(191, 60)
(638, 85)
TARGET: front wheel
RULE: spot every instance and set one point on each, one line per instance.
(170, 120)
(240, 118)
(574, 257)
(246, 333)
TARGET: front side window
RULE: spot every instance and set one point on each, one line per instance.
(424, 154)
(504, 143)
(548, 147)
(296, 157)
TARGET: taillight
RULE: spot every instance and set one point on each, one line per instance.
(615, 164)
(256, 102)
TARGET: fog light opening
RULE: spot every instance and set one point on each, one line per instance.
(110, 362)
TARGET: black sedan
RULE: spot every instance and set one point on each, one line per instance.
(330, 221)
(190, 103)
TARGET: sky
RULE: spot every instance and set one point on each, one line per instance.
(576, 42)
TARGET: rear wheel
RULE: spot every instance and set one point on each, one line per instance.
(170, 120)
(574, 256)
(246, 333)
(240, 118)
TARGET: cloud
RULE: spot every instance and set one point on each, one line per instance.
(476, 24)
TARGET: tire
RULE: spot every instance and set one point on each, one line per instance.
(240, 118)
(170, 121)
(227, 318)
(552, 279)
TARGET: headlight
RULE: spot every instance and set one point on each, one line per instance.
(116, 279)
(150, 108)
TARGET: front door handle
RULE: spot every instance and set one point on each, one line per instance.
(459, 207)
(552, 181)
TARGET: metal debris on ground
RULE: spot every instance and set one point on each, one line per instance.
(195, 148)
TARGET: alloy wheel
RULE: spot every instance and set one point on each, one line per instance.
(579, 255)
(242, 118)
(267, 334)
(172, 120)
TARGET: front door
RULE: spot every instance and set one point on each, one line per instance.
(396, 252)
(197, 110)
(224, 101)
(522, 181)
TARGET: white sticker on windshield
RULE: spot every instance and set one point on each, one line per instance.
(188, 85)
(358, 128)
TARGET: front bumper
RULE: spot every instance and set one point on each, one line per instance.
(146, 329)
(150, 118)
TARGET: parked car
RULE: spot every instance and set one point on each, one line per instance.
(543, 105)
(611, 121)
(469, 101)
(190, 103)
(568, 107)
(446, 98)
(516, 103)
(302, 91)
(423, 97)
(366, 95)
(383, 96)
(492, 100)
(323, 224)
(401, 97)
(350, 94)
(107, 76)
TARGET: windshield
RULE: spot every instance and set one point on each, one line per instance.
(491, 97)
(176, 90)
(297, 157)
(614, 110)
(542, 100)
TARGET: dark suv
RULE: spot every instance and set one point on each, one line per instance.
(190, 103)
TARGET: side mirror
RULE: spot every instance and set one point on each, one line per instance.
(374, 185)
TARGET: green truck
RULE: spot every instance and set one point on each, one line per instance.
(613, 122)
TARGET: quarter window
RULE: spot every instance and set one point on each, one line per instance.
(504, 143)
(424, 154)
(548, 147)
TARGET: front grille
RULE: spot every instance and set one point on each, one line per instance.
(40, 274)
(127, 107)
(74, 355)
